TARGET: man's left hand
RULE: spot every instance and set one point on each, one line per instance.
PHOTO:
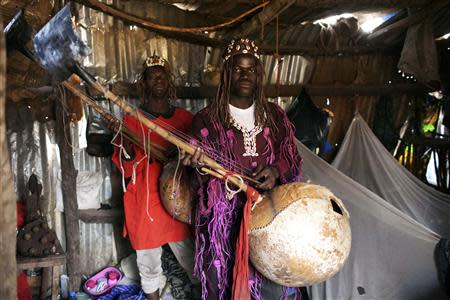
(268, 174)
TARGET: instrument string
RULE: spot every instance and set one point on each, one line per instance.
(176, 183)
(210, 152)
(144, 135)
(121, 152)
(214, 154)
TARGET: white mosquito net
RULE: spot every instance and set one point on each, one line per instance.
(363, 158)
(391, 255)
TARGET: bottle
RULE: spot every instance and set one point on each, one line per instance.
(64, 286)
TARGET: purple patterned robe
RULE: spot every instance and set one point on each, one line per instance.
(217, 219)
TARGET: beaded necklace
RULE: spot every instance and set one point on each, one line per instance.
(249, 137)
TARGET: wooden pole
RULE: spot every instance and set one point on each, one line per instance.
(361, 4)
(202, 92)
(69, 193)
(352, 90)
(8, 269)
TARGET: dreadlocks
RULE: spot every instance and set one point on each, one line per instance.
(220, 110)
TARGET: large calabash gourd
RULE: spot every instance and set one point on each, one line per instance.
(175, 192)
(299, 235)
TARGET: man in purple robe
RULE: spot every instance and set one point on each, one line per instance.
(248, 135)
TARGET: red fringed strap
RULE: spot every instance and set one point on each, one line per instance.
(241, 290)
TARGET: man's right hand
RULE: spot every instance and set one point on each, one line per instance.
(195, 160)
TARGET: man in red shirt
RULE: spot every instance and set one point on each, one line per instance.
(147, 223)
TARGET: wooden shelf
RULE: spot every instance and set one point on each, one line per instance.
(59, 259)
(51, 265)
(24, 263)
(112, 215)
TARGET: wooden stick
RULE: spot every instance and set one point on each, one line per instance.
(271, 91)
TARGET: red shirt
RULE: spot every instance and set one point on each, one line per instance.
(147, 223)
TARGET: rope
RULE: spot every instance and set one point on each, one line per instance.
(175, 181)
(147, 198)
(121, 149)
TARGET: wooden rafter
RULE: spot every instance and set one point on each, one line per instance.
(262, 18)
(408, 21)
(353, 90)
(204, 40)
(199, 39)
(272, 91)
(223, 7)
(317, 51)
(363, 4)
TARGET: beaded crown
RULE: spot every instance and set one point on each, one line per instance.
(155, 60)
(241, 46)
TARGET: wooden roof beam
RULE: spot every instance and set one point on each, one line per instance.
(353, 90)
(204, 40)
(128, 18)
(272, 91)
(268, 49)
(273, 9)
(222, 8)
(363, 4)
(408, 21)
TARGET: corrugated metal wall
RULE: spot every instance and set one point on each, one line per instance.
(118, 52)
(34, 150)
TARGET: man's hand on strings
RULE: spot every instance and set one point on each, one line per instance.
(267, 176)
(195, 160)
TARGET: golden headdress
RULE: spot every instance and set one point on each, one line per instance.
(241, 46)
